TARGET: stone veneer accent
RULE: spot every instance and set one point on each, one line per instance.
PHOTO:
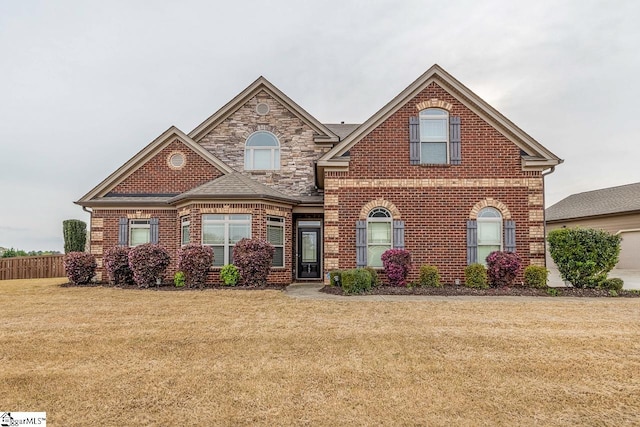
(298, 151)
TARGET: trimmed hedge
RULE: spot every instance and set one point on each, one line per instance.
(536, 276)
(253, 258)
(429, 276)
(613, 284)
(75, 235)
(80, 267)
(195, 261)
(584, 256)
(229, 275)
(355, 281)
(475, 276)
(116, 262)
(148, 263)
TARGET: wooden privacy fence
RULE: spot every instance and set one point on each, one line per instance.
(32, 267)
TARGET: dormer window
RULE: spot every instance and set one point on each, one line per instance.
(262, 152)
(434, 136)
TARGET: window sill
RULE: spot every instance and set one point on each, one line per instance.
(434, 165)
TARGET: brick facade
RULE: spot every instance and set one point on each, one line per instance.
(434, 201)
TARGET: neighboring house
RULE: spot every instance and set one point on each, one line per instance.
(436, 171)
(615, 209)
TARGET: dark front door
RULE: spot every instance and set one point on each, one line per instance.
(308, 253)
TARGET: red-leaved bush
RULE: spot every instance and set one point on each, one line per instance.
(80, 267)
(396, 264)
(253, 258)
(148, 263)
(194, 261)
(502, 268)
(116, 262)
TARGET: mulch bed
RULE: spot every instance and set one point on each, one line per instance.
(172, 287)
(450, 291)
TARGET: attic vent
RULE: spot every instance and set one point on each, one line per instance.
(262, 109)
(176, 160)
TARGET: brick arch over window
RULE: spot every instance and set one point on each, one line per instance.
(379, 203)
(434, 103)
(504, 210)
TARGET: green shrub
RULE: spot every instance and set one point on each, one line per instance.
(375, 279)
(552, 292)
(475, 276)
(584, 256)
(429, 276)
(179, 279)
(229, 275)
(613, 293)
(75, 235)
(334, 277)
(536, 276)
(355, 281)
(613, 284)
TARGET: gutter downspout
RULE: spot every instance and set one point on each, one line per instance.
(544, 223)
(90, 212)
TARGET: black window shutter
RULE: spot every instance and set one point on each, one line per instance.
(398, 234)
(472, 241)
(123, 232)
(454, 140)
(154, 230)
(361, 243)
(510, 236)
(414, 140)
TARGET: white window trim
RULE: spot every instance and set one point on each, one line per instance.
(142, 224)
(226, 222)
(185, 222)
(249, 153)
(487, 220)
(443, 117)
(281, 224)
(388, 219)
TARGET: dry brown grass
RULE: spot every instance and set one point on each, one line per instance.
(100, 356)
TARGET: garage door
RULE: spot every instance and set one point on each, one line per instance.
(630, 250)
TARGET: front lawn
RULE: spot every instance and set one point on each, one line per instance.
(106, 356)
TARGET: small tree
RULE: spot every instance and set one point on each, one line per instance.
(195, 260)
(75, 235)
(148, 263)
(396, 264)
(253, 258)
(584, 256)
(116, 262)
(503, 267)
(80, 267)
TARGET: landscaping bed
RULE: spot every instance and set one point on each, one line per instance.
(450, 291)
(172, 287)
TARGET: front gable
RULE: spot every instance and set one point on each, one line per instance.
(171, 164)
(484, 131)
(301, 139)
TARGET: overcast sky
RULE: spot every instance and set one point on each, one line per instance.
(84, 85)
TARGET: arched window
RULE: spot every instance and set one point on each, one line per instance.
(434, 136)
(379, 235)
(262, 151)
(489, 233)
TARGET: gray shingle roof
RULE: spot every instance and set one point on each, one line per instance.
(342, 129)
(624, 198)
(235, 185)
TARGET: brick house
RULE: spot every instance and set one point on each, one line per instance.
(437, 171)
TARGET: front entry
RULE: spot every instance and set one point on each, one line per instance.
(308, 252)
